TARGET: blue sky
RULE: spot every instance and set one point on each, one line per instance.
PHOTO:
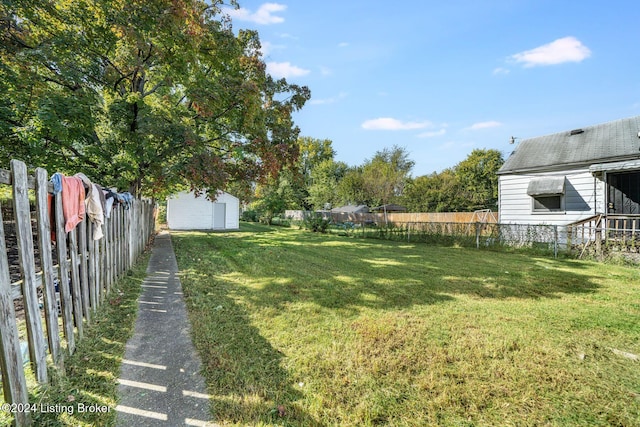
(441, 78)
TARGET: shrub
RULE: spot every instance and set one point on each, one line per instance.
(282, 222)
(249, 216)
(316, 223)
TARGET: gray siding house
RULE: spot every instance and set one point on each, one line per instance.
(572, 176)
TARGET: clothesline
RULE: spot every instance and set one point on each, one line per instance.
(81, 197)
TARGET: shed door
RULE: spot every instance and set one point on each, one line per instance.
(219, 215)
(623, 193)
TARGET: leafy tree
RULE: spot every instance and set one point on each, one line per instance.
(351, 188)
(145, 95)
(422, 193)
(386, 175)
(274, 197)
(311, 153)
(325, 179)
(470, 185)
(477, 175)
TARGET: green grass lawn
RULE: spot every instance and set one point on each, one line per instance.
(301, 329)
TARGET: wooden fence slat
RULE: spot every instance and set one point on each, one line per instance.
(14, 382)
(106, 246)
(100, 250)
(127, 240)
(46, 264)
(83, 235)
(118, 267)
(76, 294)
(63, 277)
(92, 271)
(24, 234)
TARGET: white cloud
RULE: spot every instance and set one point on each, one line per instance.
(264, 15)
(266, 48)
(285, 69)
(331, 100)
(501, 71)
(343, 44)
(388, 123)
(567, 49)
(485, 125)
(432, 134)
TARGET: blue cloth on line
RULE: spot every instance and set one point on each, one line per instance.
(56, 180)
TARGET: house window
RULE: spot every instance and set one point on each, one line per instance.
(548, 203)
(547, 194)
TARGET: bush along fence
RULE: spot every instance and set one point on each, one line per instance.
(90, 253)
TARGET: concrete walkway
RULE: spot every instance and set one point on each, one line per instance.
(160, 384)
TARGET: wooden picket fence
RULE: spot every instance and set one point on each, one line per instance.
(400, 218)
(85, 272)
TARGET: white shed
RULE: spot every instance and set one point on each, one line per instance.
(185, 211)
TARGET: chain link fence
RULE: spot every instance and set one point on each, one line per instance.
(548, 239)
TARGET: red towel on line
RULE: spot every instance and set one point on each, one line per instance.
(72, 202)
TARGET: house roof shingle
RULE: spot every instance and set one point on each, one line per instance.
(608, 142)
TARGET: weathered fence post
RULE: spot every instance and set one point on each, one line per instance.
(35, 333)
(76, 294)
(46, 263)
(14, 383)
(83, 237)
(91, 268)
(63, 277)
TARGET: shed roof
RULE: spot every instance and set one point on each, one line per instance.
(608, 142)
(351, 209)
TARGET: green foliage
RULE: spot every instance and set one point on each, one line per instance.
(313, 152)
(386, 175)
(351, 187)
(470, 185)
(438, 192)
(324, 188)
(275, 196)
(146, 95)
(477, 175)
(295, 182)
(315, 223)
(281, 222)
(249, 216)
